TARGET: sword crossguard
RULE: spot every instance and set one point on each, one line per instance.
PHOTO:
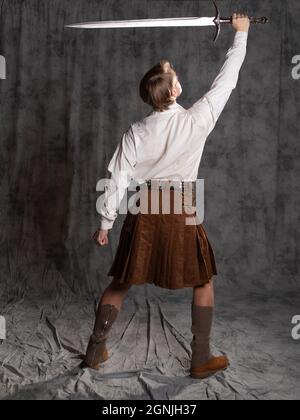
(218, 20)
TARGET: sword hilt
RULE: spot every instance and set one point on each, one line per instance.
(262, 20)
(218, 20)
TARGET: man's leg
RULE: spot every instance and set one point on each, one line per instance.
(204, 295)
(114, 294)
(203, 364)
(202, 315)
(107, 312)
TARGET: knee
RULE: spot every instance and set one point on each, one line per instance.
(206, 286)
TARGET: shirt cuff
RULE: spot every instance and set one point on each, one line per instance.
(105, 224)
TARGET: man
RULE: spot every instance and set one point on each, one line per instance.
(166, 143)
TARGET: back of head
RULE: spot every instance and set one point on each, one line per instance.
(156, 86)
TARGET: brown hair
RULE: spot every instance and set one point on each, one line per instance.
(156, 86)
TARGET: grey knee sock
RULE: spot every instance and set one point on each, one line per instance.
(202, 317)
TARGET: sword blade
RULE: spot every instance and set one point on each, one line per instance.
(146, 23)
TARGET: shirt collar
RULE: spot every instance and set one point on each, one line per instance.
(172, 107)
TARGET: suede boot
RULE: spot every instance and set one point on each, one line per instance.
(96, 350)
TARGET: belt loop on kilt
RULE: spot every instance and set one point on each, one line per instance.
(164, 184)
(186, 189)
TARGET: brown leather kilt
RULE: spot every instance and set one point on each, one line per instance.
(162, 248)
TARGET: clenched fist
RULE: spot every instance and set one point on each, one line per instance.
(100, 236)
(240, 22)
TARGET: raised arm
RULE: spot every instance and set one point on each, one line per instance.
(121, 167)
(208, 108)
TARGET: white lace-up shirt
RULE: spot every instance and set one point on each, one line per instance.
(169, 144)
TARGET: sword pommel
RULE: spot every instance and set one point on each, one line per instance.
(262, 20)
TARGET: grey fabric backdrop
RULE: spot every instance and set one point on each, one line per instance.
(68, 97)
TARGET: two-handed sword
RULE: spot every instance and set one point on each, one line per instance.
(182, 21)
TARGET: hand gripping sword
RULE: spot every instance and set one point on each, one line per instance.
(182, 21)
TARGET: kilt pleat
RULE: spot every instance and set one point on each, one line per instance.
(162, 249)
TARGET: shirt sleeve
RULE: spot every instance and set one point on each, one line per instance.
(121, 167)
(208, 108)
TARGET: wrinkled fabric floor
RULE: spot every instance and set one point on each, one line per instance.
(149, 348)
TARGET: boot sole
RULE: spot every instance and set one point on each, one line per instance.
(207, 374)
